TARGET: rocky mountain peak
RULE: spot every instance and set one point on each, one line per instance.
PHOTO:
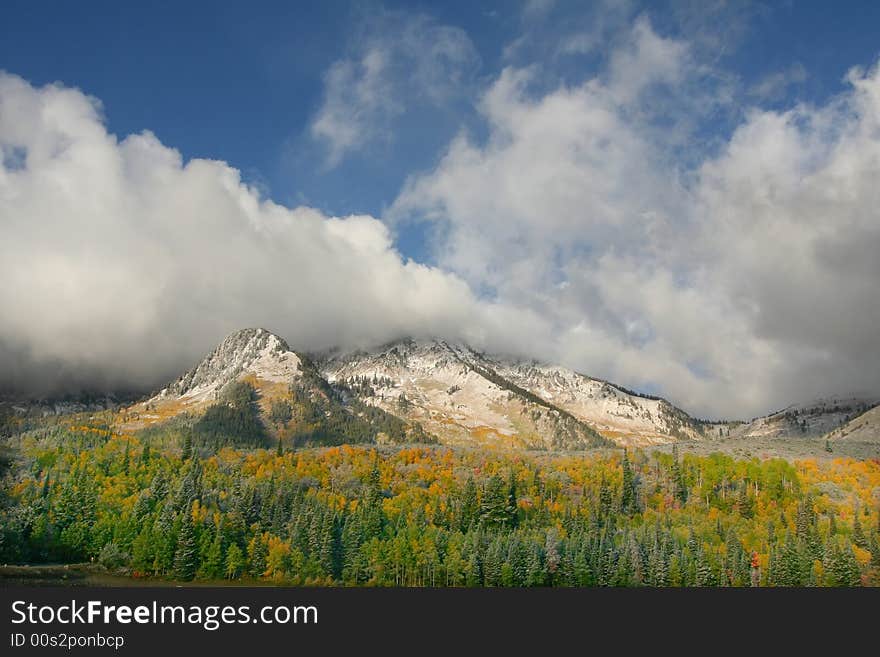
(254, 351)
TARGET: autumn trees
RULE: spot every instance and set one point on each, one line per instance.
(430, 516)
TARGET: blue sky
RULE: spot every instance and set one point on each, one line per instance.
(240, 82)
(678, 196)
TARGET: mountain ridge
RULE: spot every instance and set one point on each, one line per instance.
(451, 392)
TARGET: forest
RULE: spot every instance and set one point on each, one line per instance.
(157, 505)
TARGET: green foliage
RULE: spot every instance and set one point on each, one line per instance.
(234, 420)
(112, 557)
(186, 556)
(434, 516)
(280, 412)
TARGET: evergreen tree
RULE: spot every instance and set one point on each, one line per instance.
(469, 507)
(845, 567)
(704, 573)
(744, 502)
(495, 509)
(214, 563)
(512, 507)
(235, 562)
(142, 551)
(680, 491)
(874, 546)
(145, 455)
(186, 450)
(858, 534)
(628, 489)
(257, 552)
(186, 557)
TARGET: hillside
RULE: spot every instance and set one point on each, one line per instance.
(811, 420)
(254, 382)
(435, 390)
(456, 394)
(864, 428)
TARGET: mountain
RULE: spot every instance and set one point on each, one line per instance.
(864, 428)
(438, 390)
(250, 352)
(254, 354)
(457, 394)
(70, 404)
(618, 414)
(810, 420)
(254, 389)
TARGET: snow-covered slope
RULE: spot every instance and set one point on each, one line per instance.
(454, 393)
(620, 415)
(253, 351)
(864, 428)
(254, 354)
(812, 419)
(457, 392)
(462, 396)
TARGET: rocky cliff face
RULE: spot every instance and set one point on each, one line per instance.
(463, 395)
(250, 352)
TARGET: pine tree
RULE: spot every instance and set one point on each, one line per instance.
(186, 557)
(605, 498)
(469, 505)
(257, 552)
(187, 447)
(214, 563)
(628, 499)
(874, 546)
(744, 502)
(845, 567)
(164, 536)
(705, 575)
(495, 510)
(858, 533)
(142, 550)
(680, 491)
(512, 507)
(234, 562)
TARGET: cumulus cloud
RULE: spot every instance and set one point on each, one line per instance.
(121, 264)
(734, 279)
(734, 287)
(401, 61)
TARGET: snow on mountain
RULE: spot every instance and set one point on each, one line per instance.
(864, 428)
(463, 396)
(255, 354)
(253, 351)
(617, 414)
(811, 419)
(454, 394)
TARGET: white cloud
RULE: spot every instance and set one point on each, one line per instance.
(734, 289)
(734, 286)
(358, 99)
(646, 59)
(403, 60)
(121, 264)
(774, 86)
